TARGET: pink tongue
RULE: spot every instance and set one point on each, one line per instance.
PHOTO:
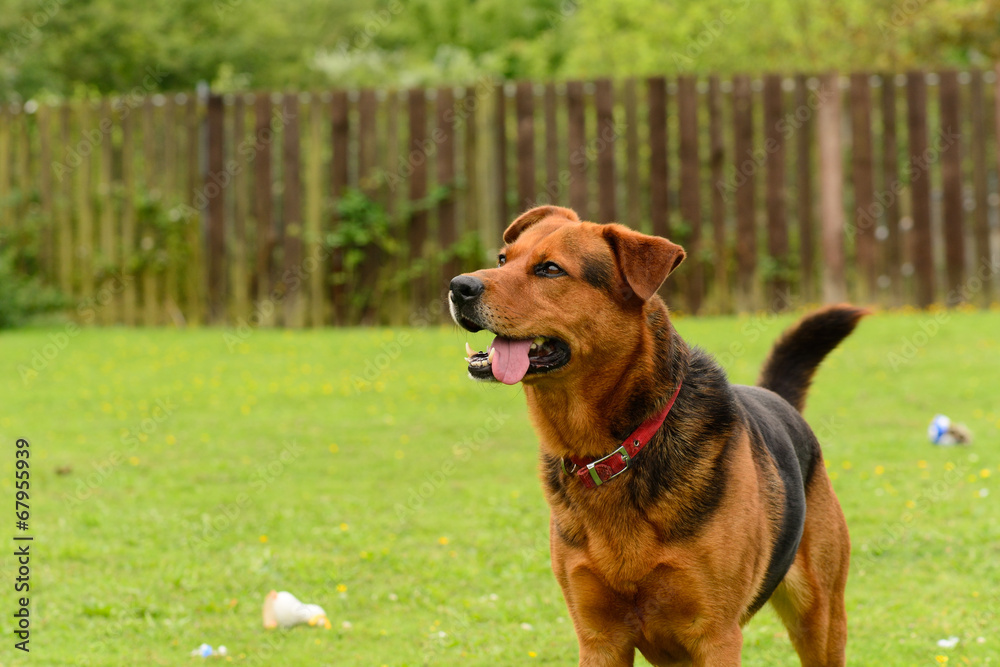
(510, 359)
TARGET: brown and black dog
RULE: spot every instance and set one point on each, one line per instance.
(671, 549)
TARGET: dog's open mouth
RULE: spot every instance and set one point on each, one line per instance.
(508, 360)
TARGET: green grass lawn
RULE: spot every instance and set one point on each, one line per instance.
(177, 478)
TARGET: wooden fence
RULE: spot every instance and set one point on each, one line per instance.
(341, 207)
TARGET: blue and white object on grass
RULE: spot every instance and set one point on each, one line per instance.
(206, 651)
(946, 433)
(937, 432)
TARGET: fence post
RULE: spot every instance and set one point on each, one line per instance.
(5, 136)
(777, 221)
(447, 222)
(292, 210)
(717, 156)
(831, 177)
(690, 182)
(891, 189)
(83, 204)
(605, 138)
(744, 185)
(315, 243)
(501, 153)
(239, 278)
(633, 198)
(804, 196)
(977, 106)
(920, 189)
(577, 136)
(417, 235)
(339, 133)
(216, 232)
(952, 212)
(864, 220)
(524, 102)
(553, 185)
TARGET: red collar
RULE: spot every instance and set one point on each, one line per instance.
(598, 472)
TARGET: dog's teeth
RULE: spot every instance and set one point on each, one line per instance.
(489, 357)
(540, 340)
(468, 349)
(534, 346)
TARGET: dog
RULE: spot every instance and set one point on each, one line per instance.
(680, 504)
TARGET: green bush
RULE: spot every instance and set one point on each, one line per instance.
(23, 294)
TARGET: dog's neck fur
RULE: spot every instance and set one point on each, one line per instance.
(619, 395)
(679, 465)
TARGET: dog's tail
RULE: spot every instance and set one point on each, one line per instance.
(794, 358)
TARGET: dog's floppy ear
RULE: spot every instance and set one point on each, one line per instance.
(530, 217)
(644, 261)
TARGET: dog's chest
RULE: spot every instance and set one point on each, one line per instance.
(621, 549)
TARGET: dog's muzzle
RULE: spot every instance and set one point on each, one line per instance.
(463, 296)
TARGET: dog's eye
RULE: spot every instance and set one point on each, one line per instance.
(501, 260)
(549, 270)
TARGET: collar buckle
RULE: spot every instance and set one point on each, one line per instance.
(597, 478)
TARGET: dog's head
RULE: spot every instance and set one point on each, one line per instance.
(565, 298)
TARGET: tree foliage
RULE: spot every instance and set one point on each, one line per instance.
(61, 47)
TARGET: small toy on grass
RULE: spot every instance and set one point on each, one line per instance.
(284, 610)
(945, 433)
(206, 651)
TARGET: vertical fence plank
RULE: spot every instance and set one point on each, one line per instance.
(865, 219)
(553, 184)
(108, 312)
(891, 188)
(470, 103)
(397, 306)
(5, 137)
(447, 221)
(294, 300)
(577, 140)
(501, 153)
(690, 181)
(45, 188)
(238, 277)
(716, 158)
(367, 284)
(605, 139)
(339, 132)
(22, 169)
(263, 202)
(977, 145)
(196, 273)
(743, 187)
(804, 197)
(417, 102)
(314, 266)
(633, 214)
(777, 220)
(84, 210)
(171, 197)
(147, 240)
(920, 189)
(659, 187)
(831, 178)
(953, 213)
(524, 102)
(129, 295)
(216, 237)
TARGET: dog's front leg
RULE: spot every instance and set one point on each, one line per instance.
(722, 649)
(605, 624)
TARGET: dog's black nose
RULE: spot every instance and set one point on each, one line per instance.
(465, 289)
